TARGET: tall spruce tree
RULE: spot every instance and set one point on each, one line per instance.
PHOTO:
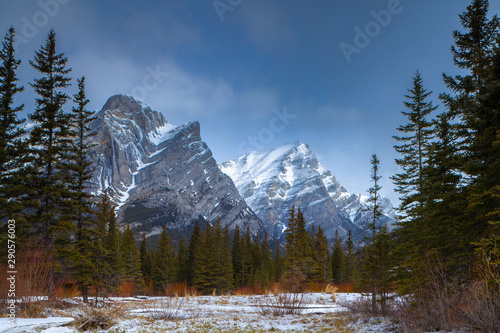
(130, 261)
(291, 254)
(415, 139)
(105, 248)
(349, 259)
(337, 259)
(213, 266)
(145, 259)
(487, 188)
(163, 271)
(12, 147)
(49, 145)
(321, 271)
(474, 52)
(375, 267)
(194, 240)
(236, 249)
(79, 180)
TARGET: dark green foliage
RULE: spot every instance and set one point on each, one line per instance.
(321, 271)
(50, 140)
(213, 267)
(130, 261)
(12, 147)
(485, 196)
(337, 259)
(298, 253)
(376, 268)
(145, 260)
(264, 266)
(376, 263)
(236, 257)
(105, 248)
(417, 135)
(181, 260)
(163, 270)
(278, 262)
(349, 260)
(191, 255)
(78, 209)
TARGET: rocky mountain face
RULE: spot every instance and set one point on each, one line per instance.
(158, 173)
(272, 182)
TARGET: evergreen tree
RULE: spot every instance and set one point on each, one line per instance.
(487, 188)
(376, 263)
(337, 259)
(376, 269)
(213, 266)
(182, 260)
(50, 141)
(278, 262)
(417, 135)
(349, 259)
(321, 263)
(163, 271)
(105, 248)
(203, 273)
(265, 270)
(130, 261)
(12, 147)
(246, 260)
(236, 256)
(191, 255)
(145, 259)
(79, 210)
(474, 52)
(291, 255)
(225, 281)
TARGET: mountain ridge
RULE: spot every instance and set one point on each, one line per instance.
(158, 173)
(274, 181)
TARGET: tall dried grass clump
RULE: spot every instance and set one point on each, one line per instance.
(331, 289)
(93, 318)
(167, 308)
(34, 264)
(281, 304)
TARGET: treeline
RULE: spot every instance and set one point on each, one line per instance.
(444, 252)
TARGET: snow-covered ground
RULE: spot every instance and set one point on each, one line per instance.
(210, 314)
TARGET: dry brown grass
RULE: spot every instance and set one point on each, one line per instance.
(284, 304)
(164, 308)
(179, 289)
(251, 291)
(330, 289)
(126, 288)
(100, 318)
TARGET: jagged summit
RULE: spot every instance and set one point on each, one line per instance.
(272, 182)
(158, 173)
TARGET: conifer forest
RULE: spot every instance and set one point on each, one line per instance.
(436, 268)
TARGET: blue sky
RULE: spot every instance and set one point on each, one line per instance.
(256, 73)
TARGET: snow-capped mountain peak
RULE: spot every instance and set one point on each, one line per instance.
(272, 182)
(161, 174)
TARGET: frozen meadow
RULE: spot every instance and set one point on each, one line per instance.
(318, 312)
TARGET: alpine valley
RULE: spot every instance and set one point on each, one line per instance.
(160, 174)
